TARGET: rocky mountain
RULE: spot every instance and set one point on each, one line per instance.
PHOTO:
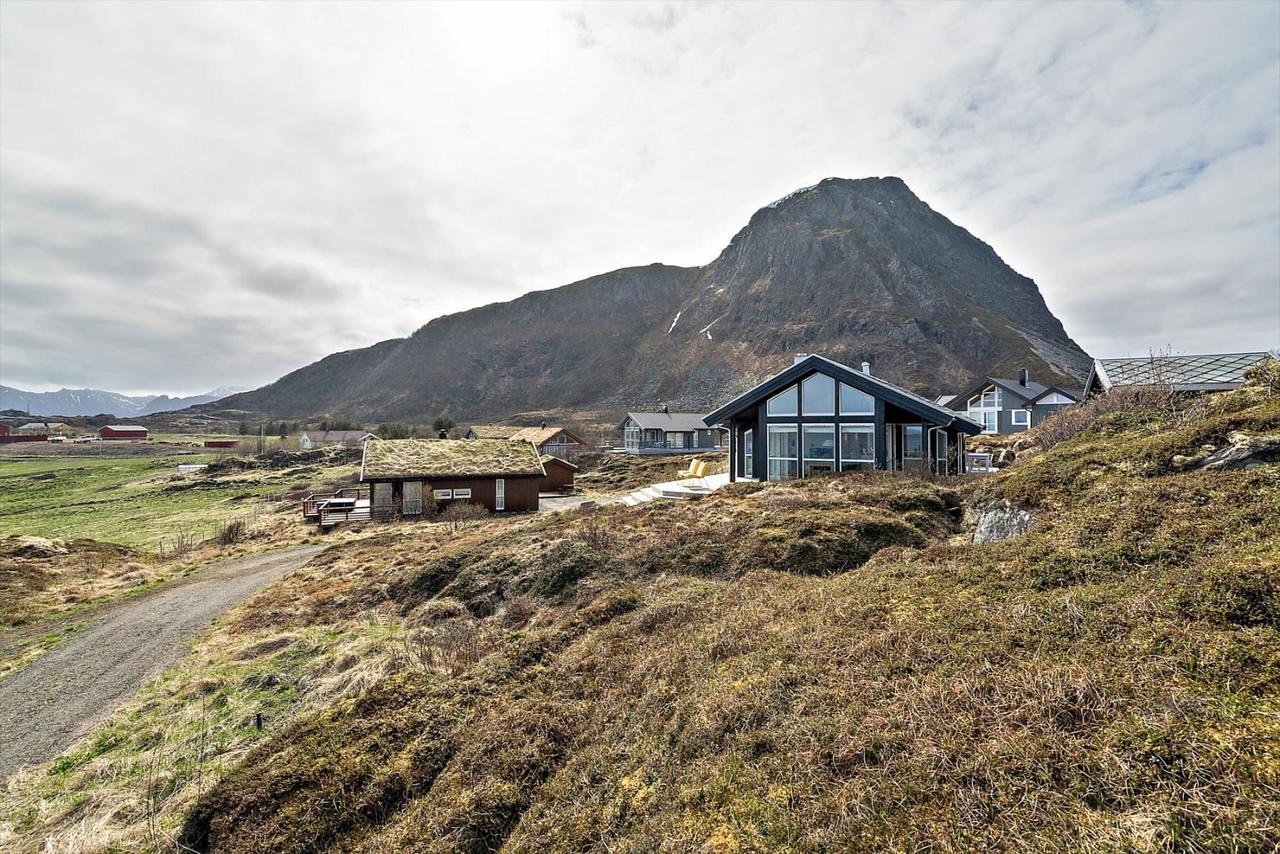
(92, 401)
(853, 269)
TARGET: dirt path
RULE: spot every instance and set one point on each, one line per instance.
(46, 706)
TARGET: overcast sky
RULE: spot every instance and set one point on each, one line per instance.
(194, 195)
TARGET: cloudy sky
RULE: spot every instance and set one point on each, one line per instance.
(194, 195)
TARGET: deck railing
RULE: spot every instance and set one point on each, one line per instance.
(311, 504)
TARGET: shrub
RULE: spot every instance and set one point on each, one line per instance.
(230, 533)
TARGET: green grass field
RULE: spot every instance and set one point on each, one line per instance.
(135, 501)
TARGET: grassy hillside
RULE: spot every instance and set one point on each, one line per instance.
(827, 665)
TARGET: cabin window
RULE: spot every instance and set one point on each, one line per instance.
(499, 494)
(819, 449)
(856, 402)
(783, 447)
(987, 419)
(857, 447)
(1055, 399)
(442, 494)
(988, 399)
(677, 440)
(940, 452)
(748, 454)
(819, 395)
(381, 496)
(784, 403)
(913, 442)
(412, 505)
(1021, 418)
(462, 493)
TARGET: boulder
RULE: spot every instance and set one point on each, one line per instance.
(1001, 520)
(1245, 451)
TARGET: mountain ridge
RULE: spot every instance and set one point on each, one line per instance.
(92, 401)
(857, 269)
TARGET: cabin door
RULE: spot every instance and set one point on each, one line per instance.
(381, 498)
(500, 494)
(891, 447)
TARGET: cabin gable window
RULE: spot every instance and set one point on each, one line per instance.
(819, 395)
(856, 402)
(784, 402)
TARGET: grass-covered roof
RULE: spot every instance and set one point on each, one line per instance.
(390, 459)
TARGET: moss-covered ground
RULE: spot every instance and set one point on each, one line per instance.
(818, 666)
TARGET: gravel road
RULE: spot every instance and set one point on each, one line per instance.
(63, 694)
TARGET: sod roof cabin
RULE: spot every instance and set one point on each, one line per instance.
(408, 474)
(556, 441)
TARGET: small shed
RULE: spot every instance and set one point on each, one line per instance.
(220, 443)
(407, 476)
(123, 432)
(560, 473)
(5, 430)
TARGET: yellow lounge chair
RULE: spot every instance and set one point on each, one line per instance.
(692, 471)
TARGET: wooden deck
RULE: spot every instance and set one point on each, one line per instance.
(350, 501)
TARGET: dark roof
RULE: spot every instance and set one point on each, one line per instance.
(1211, 372)
(895, 394)
(677, 422)
(397, 459)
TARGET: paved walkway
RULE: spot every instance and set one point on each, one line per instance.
(65, 693)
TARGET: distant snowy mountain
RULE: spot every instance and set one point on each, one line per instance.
(92, 401)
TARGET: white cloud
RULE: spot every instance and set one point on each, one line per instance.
(218, 193)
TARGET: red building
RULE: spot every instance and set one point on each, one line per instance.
(5, 430)
(127, 432)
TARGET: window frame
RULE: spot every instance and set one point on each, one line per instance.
(770, 431)
(1020, 417)
(794, 388)
(848, 463)
(857, 391)
(748, 452)
(907, 430)
(804, 396)
(805, 459)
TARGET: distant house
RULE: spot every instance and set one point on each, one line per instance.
(220, 443)
(123, 432)
(408, 475)
(667, 433)
(820, 416)
(1214, 372)
(45, 428)
(560, 473)
(557, 441)
(1011, 406)
(5, 430)
(346, 438)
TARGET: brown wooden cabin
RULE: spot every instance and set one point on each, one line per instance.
(553, 441)
(408, 477)
(560, 474)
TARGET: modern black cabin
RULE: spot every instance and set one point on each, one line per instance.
(820, 416)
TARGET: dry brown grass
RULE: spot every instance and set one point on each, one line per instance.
(442, 458)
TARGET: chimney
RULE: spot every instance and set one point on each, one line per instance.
(544, 425)
(443, 434)
(666, 410)
(1024, 376)
(798, 358)
(866, 368)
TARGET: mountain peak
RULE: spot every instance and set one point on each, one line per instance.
(852, 268)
